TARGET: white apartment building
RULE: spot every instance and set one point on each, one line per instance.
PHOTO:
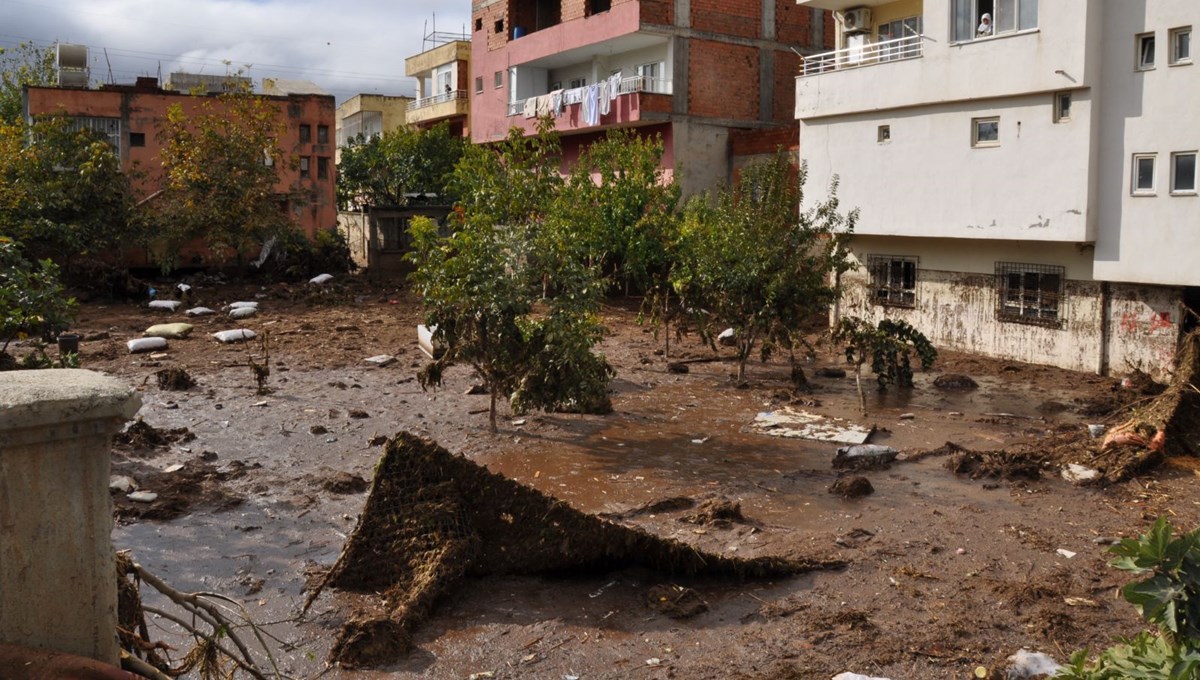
(1027, 189)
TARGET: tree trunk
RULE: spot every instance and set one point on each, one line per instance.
(666, 327)
(492, 412)
(862, 398)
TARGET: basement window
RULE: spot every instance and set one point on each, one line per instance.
(893, 280)
(1030, 293)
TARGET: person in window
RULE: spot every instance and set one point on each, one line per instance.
(985, 26)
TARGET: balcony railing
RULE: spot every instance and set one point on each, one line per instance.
(442, 98)
(627, 86)
(908, 47)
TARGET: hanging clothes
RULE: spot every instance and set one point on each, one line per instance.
(556, 103)
(614, 86)
(543, 105)
(604, 100)
(530, 110)
(574, 95)
(591, 106)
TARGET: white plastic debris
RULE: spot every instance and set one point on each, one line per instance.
(242, 312)
(1066, 553)
(800, 424)
(146, 345)
(243, 303)
(726, 337)
(142, 496)
(122, 483)
(200, 311)
(856, 676)
(173, 468)
(1027, 664)
(381, 360)
(236, 335)
(321, 279)
(426, 343)
(168, 305)
(1077, 474)
(183, 288)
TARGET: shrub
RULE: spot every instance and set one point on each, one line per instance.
(32, 301)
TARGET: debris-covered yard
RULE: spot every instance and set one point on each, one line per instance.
(967, 546)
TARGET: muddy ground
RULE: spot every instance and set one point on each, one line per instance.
(945, 573)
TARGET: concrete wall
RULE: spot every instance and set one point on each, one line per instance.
(58, 586)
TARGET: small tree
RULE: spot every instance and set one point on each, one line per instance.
(889, 346)
(386, 169)
(220, 176)
(752, 261)
(32, 301)
(20, 66)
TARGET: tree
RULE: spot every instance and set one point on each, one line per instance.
(32, 301)
(386, 170)
(220, 176)
(25, 64)
(889, 346)
(506, 295)
(62, 191)
(752, 261)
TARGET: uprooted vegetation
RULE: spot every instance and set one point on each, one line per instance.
(433, 517)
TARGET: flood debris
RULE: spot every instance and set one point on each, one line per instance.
(176, 493)
(718, 512)
(433, 517)
(426, 343)
(174, 378)
(1027, 664)
(955, 381)
(864, 456)
(852, 487)
(675, 601)
(996, 464)
(140, 435)
(800, 424)
(344, 483)
(664, 505)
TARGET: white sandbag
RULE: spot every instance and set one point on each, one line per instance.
(321, 279)
(200, 311)
(168, 305)
(237, 335)
(183, 288)
(146, 345)
(242, 312)
(168, 330)
(238, 305)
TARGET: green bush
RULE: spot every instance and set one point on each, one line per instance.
(32, 300)
(294, 257)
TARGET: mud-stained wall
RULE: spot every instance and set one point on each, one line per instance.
(1143, 327)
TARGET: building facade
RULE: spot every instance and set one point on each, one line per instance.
(1027, 186)
(368, 115)
(131, 116)
(689, 70)
(441, 72)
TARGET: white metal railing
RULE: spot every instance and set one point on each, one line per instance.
(628, 85)
(442, 98)
(908, 47)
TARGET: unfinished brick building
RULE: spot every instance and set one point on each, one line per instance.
(692, 71)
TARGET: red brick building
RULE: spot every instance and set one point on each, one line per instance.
(693, 71)
(130, 115)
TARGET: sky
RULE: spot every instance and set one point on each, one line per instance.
(346, 48)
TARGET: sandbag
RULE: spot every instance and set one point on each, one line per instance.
(236, 305)
(146, 345)
(242, 312)
(200, 311)
(168, 330)
(321, 279)
(237, 335)
(166, 305)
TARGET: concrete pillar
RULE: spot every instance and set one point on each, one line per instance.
(58, 586)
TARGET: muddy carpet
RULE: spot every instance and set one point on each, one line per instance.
(434, 517)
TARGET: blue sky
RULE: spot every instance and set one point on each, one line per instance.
(345, 47)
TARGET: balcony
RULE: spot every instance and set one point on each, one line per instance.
(858, 56)
(437, 107)
(573, 98)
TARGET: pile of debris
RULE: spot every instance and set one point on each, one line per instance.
(433, 518)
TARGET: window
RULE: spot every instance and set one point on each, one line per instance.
(905, 37)
(985, 132)
(305, 134)
(1029, 293)
(598, 6)
(1181, 46)
(893, 280)
(883, 134)
(322, 134)
(137, 139)
(478, 24)
(1183, 172)
(304, 162)
(322, 167)
(478, 84)
(1004, 16)
(498, 27)
(1145, 52)
(556, 85)
(578, 82)
(1062, 107)
(1143, 174)
(393, 233)
(498, 79)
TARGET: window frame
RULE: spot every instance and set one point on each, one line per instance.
(478, 84)
(322, 167)
(497, 80)
(966, 31)
(1013, 305)
(883, 134)
(976, 141)
(1134, 189)
(889, 280)
(1140, 41)
(137, 140)
(305, 167)
(322, 134)
(1175, 191)
(1062, 114)
(1173, 42)
(305, 133)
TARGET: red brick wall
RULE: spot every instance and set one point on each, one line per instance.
(656, 11)
(574, 9)
(758, 142)
(723, 80)
(497, 11)
(793, 24)
(787, 66)
(742, 18)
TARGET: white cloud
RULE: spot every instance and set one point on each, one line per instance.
(345, 47)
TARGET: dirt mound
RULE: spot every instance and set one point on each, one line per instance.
(852, 487)
(433, 517)
(716, 512)
(1002, 464)
(676, 602)
(141, 436)
(344, 483)
(955, 381)
(196, 485)
(174, 378)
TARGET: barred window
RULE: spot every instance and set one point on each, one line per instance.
(393, 232)
(893, 280)
(1030, 293)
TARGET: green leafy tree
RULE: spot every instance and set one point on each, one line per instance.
(385, 170)
(32, 301)
(63, 192)
(506, 295)
(751, 261)
(1168, 598)
(220, 176)
(25, 64)
(889, 346)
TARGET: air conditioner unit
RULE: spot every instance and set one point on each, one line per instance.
(856, 20)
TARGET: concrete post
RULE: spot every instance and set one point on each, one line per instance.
(58, 586)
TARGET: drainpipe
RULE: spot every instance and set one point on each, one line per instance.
(1105, 302)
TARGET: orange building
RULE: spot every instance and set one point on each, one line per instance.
(130, 116)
